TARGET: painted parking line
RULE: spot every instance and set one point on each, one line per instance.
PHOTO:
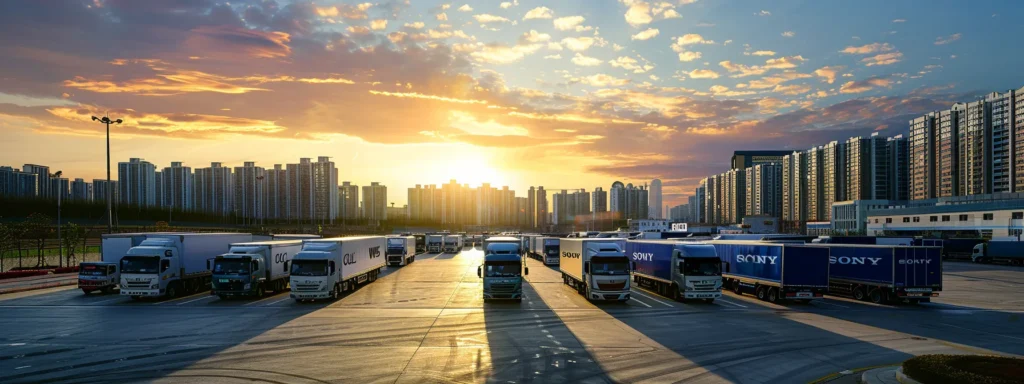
(181, 298)
(653, 299)
(275, 302)
(194, 300)
(107, 300)
(264, 299)
(723, 300)
(825, 302)
(643, 303)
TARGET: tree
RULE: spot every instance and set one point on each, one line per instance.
(6, 242)
(38, 227)
(72, 235)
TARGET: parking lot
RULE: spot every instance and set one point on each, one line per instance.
(426, 322)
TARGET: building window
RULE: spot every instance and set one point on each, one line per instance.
(933, 218)
(963, 217)
(945, 218)
(888, 220)
(1017, 216)
(917, 219)
(876, 221)
(906, 219)
(987, 216)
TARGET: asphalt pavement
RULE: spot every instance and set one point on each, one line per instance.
(426, 322)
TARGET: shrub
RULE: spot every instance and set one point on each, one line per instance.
(16, 274)
(954, 369)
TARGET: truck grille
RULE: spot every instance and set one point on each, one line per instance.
(306, 287)
(704, 287)
(611, 286)
(236, 286)
(503, 288)
(137, 285)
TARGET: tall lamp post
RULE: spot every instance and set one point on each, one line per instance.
(262, 196)
(60, 242)
(110, 211)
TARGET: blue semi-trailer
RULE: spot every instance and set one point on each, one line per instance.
(773, 271)
(885, 273)
(681, 271)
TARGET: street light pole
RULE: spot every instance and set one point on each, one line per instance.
(110, 211)
(60, 241)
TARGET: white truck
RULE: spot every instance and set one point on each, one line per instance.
(173, 264)
(401, 250)
(452, 243)
(545, 249)
(435, 243)
(326, 268)
(252, 269)
(597, 267)
(105, 275)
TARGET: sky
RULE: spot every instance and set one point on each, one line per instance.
(564, 94)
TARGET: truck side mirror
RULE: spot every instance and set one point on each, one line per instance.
(286, 265)
(527, 272)
(586, 267)
(480, 271)
(165, 265)
(331, 268)
(255, 265)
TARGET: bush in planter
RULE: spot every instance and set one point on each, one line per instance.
(955, 369)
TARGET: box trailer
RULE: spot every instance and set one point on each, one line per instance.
(170, 265)
(679, 270)
(774, 271)
(1006, 251)
(252, 269)
(597, 267)
(327, 268)
(401, 250)
(882, 273)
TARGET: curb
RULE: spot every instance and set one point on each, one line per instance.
(903, 378)
(849, 372)
(38, 286)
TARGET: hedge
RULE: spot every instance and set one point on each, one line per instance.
(955, 369)
(16, 274)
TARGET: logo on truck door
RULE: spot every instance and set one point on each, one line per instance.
(643, 256)
(374, 252)
(571, 255)
(846, 260)
(756, 259)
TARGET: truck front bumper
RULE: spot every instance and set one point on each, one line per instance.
(609, 295)
(395, 259)
(310, 295)
(702, 294)
(143, 292)
(502, 296)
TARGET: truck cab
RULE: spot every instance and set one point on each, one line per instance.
(421, 243)
(147, 269)
(550, 252)
(452, 243)
(698, 272)
(435, 243)
(314, 273)
(503, 269)
(238, 275)
(400, 250)
(98, 276)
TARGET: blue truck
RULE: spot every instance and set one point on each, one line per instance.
(681, 271)
(885, 273)
(774, 271)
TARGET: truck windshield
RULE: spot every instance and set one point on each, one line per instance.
(503, 269)
(140, 264)
(604, 265)
(551, 250)
(309, 267)
(93, 270)
(231, 267)
(701, 267)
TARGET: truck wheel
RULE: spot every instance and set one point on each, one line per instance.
(86, 291)
(260, 290)
(858, 293)
(334, 293)
(709, 301)
(172, 291)
(875, 296)
(773, 295)
(107, 290)
(736, 287)
(674, 293)
(760, 292)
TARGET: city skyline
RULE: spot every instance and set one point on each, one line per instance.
(532, 93)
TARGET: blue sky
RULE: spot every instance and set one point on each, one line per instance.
(569, 94)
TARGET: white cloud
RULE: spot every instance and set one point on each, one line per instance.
(947, 39)
(828, 73)
(569, 22)
(602, 80)
(703, 74)
(788, 34)
(646, 34)
(488, 18)
(763, 13)
(689, 39)
(671, 14)
(509, 4)
(689, 56)
(442, 17)
(554, 46)
(501, 54)
(465, 8)
(555, 56)
(639, 13)
(868, 48)
(539, 13)
(883, 59)
(378, 25)
(785, 62)
(631, 64)
(585, 61)
(760, 53)
(534, 37)
(416, 25)
(358, 30)
(578, 44)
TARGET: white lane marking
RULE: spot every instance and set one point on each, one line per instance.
(106, 301)
(985, 332)
(22, 367)
(655, 300)
(16, 344)
(269, 304)
(723, 300)
(644, 304)
(180, 298)
(194, 300)
(261, 300)
(825, 302)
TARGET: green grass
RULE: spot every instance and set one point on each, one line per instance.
(31, 252)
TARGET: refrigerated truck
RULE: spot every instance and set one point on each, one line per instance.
(546, 249)
(105, 275)
(452, 243)
(401, 250)
(170, 265)
(435, 243)
(1008, 251)
(597, 268)
(327, 268)
(421, 243)
(882, 273)
(774, 271)
(252, 269)
(503, 268)
(681, 271)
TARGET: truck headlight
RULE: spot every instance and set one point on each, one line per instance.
(247, 286)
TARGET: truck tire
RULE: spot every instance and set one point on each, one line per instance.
(709, 301)
(736, 287)
(260, 290)
(760, 292)
(172, 290)
(773, 295)
(334, 293)
(876, 296)
(86, 291)
(674, 294)
(107, 290)
(858, 293)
